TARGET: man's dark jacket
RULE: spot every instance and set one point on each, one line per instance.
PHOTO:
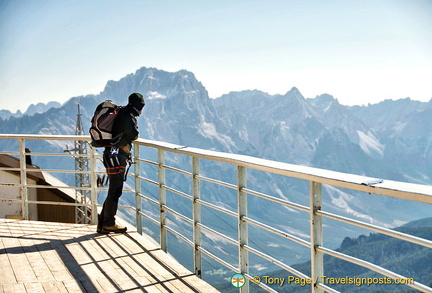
(125, 124)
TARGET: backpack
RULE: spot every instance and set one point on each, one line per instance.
(102, 124)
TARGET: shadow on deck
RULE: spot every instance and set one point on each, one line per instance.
(57, 257)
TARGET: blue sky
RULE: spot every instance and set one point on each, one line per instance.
(359, 51)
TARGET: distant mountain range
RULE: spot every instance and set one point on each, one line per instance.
(389, 140)
(31, 110)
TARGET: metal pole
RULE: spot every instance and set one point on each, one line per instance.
(23, 172)
(196, 214)
(93, 184)
(162, 200)
(317, 262)
(242, 226)
(138, 203)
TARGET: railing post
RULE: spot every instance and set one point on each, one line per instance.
(196, 214)
(242, 226)
(317, 263)
(138, 203)
(23, 172)
(162, 200)
(93, 184)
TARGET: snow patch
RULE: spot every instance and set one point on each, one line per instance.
(328, 107)
(280, 193)
(191, 93)
(341, 200)
(420, 178)
(398, 127)
(208, 130)
(295, 232)
(283, 126)
(214, 238)
(155, 96)
(370, 144)
(259, 267)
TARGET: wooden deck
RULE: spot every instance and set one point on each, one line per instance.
(56, 257)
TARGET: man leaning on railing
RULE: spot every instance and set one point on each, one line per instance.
(115, 159)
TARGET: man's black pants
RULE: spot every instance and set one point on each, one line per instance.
(115, 162)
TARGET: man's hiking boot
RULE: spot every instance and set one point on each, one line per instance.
(100, 224)
(113, 229)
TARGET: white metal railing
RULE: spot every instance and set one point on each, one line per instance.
(316, 178)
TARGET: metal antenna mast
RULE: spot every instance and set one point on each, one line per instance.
(82, 179)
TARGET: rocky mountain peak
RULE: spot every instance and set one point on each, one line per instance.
(324, 101)
(156, 84)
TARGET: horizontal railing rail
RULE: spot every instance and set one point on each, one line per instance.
(159, 180)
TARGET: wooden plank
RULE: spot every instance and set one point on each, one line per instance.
(19, 262)
(171, 275)
(54, 287)
(176, 273)
(139, 255)
(67, 242)
(63, 241)
(149, 286)
(7, 275)
(150, 270)
(37, 260)
(92, 286)
(34, 288)
(82, 265)
(108, 285)
(39, 267)
(50, 255)
(116, 256)
(79, 261)
(131, 258)
(129, 253)
(72, 286)
(102, 262)
(135, 285)
(185, 281)
(14, 288)
(30, 244)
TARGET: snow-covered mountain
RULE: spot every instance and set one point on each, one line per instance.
(403, 129)
(390, 140)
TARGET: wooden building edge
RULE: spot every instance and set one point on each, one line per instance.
(9, 179)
